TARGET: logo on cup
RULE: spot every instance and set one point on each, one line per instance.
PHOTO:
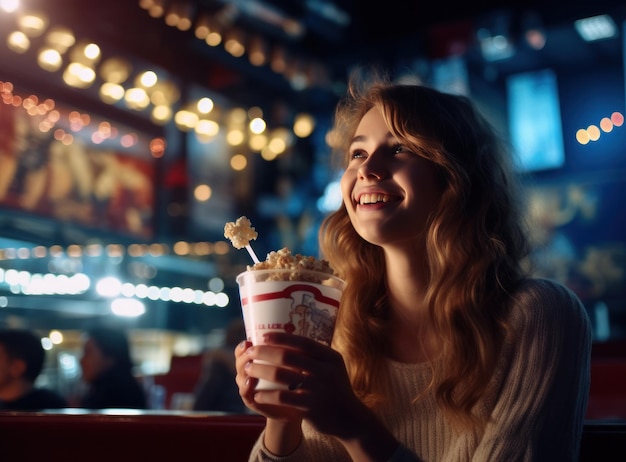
(309, 313)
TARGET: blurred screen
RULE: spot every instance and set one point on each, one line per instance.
(535, 120)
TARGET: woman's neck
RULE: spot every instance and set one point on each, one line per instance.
(410, 334)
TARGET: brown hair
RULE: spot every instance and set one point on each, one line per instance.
(475, 244)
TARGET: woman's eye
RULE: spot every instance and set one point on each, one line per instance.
(397, 149)
(356, 154)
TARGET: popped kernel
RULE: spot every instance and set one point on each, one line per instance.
(240, 232)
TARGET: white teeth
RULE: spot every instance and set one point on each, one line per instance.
(373, 198)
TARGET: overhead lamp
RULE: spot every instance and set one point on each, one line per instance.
(257, 54)
(161, 114)
(32, 24)
(136, 98)
(60, 38)
(18, 41)
(111, 92)
(203, 26)
(49, 59)
(234, 44)
(115, 70)
(78, 75)
(9, 6)
(303, 125)
(155, 8)
(596, 27)
(179, 15)
(86, 53)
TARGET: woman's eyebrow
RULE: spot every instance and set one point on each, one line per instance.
(358, 138)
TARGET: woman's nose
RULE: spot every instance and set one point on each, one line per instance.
(373, 167)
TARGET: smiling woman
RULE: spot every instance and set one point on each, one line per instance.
(439, 323)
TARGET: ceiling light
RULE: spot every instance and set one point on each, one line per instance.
(596, 27)
(33, 24)
(18, 42)
(60, 38)
(49, 59)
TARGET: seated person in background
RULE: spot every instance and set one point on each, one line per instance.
(107, 370)
(216, 389)
(21, 360)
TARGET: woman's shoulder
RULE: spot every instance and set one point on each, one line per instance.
(547, 300)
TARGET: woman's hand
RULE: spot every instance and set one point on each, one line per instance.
(247, 383)
(319, 389)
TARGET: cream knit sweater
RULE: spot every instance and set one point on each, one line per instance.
(537, 399)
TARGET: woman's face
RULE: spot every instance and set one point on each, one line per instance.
(389, 191)
(93, 362)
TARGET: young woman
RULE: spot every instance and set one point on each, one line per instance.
(444, 349)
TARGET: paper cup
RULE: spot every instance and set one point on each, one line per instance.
(301, 302)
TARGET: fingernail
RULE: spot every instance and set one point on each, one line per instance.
(247, 365)
(242, 344)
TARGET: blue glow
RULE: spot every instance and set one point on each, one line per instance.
(535, 120)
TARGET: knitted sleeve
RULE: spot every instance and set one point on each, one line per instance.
(539, 410)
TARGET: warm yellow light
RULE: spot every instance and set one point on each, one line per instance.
(185, 120)
(115, 70)
(303, 125)
(238, 162)
(268, 154)
(202, 193)
(60, 38)
(32, 24)
(78, 75)
(56, 337)
(257, 51)
(582, 136)
(49, 59)
(237, 115)
(161, 114)
(234, 137)
(181, 248)
(207, 128)
(203, 27)
(164, 93)
(9, 6)
(18, 42)
(594, 132)
(213, 39)
(257, 142)
(92, 51)
(234, 43)
(277, 145)
(137, 98)
(85, 53)
(148, 79)
(111, 93)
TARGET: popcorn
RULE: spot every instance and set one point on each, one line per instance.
(240, 232)
(296, 267)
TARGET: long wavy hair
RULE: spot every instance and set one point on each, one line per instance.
(475, 244)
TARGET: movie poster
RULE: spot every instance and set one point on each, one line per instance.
(67, 166)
